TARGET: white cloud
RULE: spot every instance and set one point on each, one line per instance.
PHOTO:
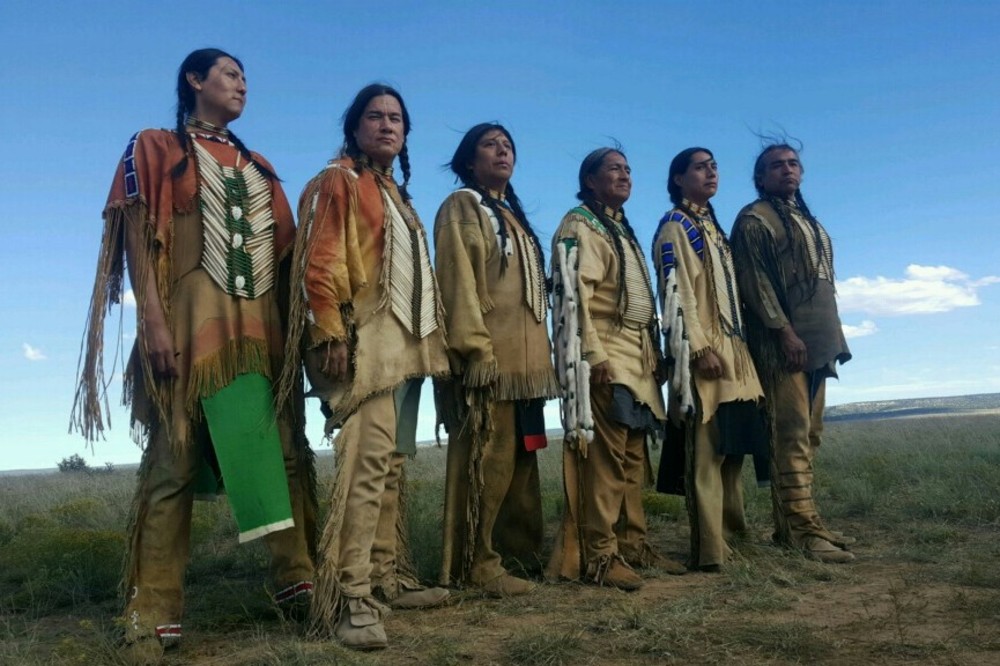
(867, 327)
(923, 290)
(32, 353)
(128, 300)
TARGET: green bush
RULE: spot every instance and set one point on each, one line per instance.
(667, 507)
(51, 566)
(73, 463)
(82, 512)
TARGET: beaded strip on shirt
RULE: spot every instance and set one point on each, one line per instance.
(532, 276)
(821, 258)
(407, 274)
(532, 272)
(238, 226)
(636, 303)
(636, 300)
(718, 262)
(639, 307)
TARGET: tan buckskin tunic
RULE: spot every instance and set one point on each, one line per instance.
(500, 353)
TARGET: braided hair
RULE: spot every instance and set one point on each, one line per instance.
(199, 63)
(678, 166)
(352, 119)
(781, 207)
(461, 166)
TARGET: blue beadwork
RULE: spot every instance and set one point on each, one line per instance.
(128, 160)
(667, 260)
(694, 236)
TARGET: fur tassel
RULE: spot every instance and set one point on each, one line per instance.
(572, 371)
(678, 347)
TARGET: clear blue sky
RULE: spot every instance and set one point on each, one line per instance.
(897, 104)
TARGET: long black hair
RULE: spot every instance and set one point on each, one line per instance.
(199, 63)
(352, 119)
(461, 166)
(679, 166)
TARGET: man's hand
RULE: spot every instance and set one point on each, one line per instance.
(708, 366)
(160, 347)
(794, 349)
(334, 354)
(601, 373)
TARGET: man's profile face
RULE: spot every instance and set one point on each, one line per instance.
(782, 174)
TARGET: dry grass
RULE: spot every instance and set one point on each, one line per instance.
(922, 495)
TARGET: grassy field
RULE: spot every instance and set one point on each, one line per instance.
(922, 495)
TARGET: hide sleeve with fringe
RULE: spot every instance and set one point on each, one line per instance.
(460, 253)
(761, 282)
(331, 257)
(327, 269)
(672, 238)
(758, 269)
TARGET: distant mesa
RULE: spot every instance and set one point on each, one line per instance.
(982, 403)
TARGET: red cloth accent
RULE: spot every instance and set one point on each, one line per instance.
(535, 442)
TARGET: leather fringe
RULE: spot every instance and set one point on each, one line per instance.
(216, 371)
(525, 386)
(480, 373)
(136, 517)
(328, 602)
(479, 423)
(90, 414)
